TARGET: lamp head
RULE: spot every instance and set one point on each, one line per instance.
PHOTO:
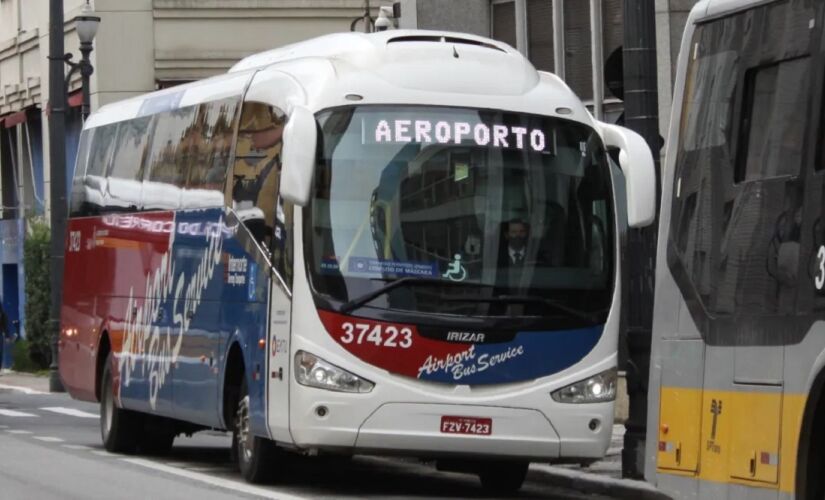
(87, 23)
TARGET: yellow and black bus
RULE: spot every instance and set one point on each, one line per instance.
(736, 407)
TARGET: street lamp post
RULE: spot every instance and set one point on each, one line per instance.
(86, 25)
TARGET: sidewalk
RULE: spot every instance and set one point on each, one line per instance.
(23, 382)
(598, 484)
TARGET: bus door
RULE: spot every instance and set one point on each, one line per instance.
(253, 193)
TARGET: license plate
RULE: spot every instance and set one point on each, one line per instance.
(467, 425)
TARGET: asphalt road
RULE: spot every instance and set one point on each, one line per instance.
(50, 449)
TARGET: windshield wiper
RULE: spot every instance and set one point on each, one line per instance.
(528, 299)
(405, 281)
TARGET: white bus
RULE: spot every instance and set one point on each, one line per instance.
(402, 243)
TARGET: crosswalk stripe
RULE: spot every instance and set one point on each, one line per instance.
(15, 413)
(17, 431)
(48, 439)
(72, 412)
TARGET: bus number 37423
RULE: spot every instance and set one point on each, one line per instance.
(388, 336)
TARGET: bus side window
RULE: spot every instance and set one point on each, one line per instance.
(169, 159)
(126, 173)
(252, 190)
(90, 184)
(209, 157)
(83, 201)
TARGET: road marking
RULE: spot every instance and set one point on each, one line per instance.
(48, 439)
(71, 412)
(24, 390)
(15, 413)
(104, 453)
(17, 431)
(213, 481)
(4, 426)
(76, 446)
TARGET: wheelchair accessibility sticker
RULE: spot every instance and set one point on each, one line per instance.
(455, 271)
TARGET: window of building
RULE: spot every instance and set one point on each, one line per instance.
(504, 22)
(540, 34)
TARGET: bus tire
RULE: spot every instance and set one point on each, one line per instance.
(255, 454)
(119, 428)
(503, 477)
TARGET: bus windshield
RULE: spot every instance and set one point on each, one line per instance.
(486, 213)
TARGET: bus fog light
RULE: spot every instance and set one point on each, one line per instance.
(596, 389)
(312, 371)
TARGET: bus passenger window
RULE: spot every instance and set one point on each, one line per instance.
(126, 174)
(168, 161)
(215, 125)
(89, 185)
(776, 102)
(254, 186)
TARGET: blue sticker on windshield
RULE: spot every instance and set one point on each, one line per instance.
(396, 267)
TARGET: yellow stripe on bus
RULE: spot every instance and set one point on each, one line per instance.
(747, 438)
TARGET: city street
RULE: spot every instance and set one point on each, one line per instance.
(50, 448)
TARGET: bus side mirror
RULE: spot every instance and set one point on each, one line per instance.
(298, 156)
(636, 162)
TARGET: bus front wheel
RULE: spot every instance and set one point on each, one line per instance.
(255, 454)
(119, 428)
(503, 477)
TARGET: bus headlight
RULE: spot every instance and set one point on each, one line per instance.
(596, 389)
(313, 371)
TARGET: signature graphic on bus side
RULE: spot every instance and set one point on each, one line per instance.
(160, 353)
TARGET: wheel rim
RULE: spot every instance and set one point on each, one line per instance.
(244, 436)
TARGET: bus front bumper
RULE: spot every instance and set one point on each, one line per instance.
(418, 429)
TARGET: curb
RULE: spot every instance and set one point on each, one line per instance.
(599, 485)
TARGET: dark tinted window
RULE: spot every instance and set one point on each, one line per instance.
(737, 194)
(776, 102)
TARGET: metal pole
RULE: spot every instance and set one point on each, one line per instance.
(86, 71)
(597, 57)
(558, 37)
(57, 169)
(641, 115)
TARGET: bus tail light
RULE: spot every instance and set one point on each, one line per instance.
(312, 371)
(596, 389)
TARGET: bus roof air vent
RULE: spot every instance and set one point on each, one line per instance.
(444, 39)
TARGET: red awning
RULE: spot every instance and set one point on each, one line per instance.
(14, 119)
(75, 99)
